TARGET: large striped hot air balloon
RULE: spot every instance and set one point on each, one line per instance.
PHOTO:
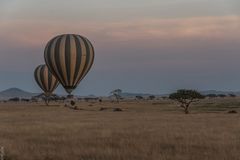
(46, 81)
(69, 57)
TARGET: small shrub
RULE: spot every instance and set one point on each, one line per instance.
(232, 112)
(102, 109)
(222, 95)
(211, 95)
(152, 97)
(232, 95)
(117, 110)
(72, 103)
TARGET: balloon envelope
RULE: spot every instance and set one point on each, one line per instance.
(69, 57)
(46, 81)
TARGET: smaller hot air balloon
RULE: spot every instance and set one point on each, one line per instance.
(46, 81)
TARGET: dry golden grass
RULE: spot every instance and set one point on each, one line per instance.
(143, 131)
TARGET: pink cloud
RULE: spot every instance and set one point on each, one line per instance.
(36, 33)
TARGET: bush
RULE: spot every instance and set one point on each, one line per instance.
(211, 95)
(102, 109)
(72, 103)
(232, 95)
(232, 111)
(139, 97)
(221, 95)
(152, 97)
(16, 99)
(117, 110)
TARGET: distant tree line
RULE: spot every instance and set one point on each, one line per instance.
(220, 95)
(183, 96)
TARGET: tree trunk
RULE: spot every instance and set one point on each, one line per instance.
(47, 98)
(46, 101)
(117, 98)
(186, 109)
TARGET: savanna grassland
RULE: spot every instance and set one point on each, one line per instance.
(153, 130)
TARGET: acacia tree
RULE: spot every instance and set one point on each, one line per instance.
(151, 97)
(117, 94)
(186, 97)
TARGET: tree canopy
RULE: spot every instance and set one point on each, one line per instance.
(186, 97)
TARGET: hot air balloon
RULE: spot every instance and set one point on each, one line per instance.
(46, 81)
(69, 57)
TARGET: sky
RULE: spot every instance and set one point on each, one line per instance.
(147, 46)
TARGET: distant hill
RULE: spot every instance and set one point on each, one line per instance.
(128, 95)
(135, 94)
(219, 92)
(16, 92)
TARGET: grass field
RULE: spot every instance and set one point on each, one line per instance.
(156, 130)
